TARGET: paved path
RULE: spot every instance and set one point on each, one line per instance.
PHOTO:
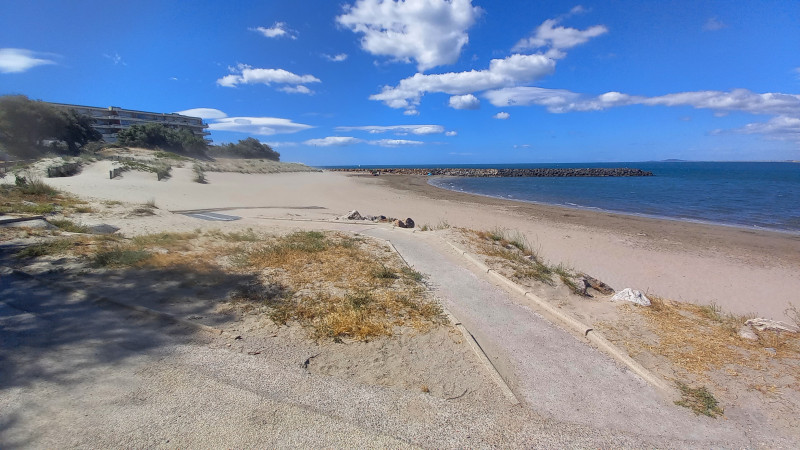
(554, 373)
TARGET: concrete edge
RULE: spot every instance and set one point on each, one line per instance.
(137, 308)
(587, 332)
(20, 219)
(471, 341)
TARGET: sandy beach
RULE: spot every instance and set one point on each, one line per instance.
(743, 271)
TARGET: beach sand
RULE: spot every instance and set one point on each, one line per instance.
(741, 270)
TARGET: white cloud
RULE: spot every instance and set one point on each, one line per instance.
(245, 74)
(264, 126)
(275, 31)
(18, 60)
(276, 144)
(509, 71)
(342, 141)
(781, 127)
(204, 113)
(467, 101)
(560, 101)
(394, 142)
(397, 129)
(333, 141)
(451, 133)
(411, 112)
(713, 24)
(502, 115)
(335, 58)
(430, 32)
(299, 89)
(522, 146)
(548, 34)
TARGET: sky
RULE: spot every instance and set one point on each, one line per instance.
(431, 81)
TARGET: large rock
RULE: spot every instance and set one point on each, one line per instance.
(630, 295)
(409, 223)
(761, 324)
(352, 215)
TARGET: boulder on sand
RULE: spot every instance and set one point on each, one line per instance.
(352, 215)
(408, 223)
(761, 324)
(633, 296)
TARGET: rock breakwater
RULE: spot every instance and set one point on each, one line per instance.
(539, 172)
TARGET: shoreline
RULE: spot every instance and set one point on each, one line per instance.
(621, 213)
(605, 220)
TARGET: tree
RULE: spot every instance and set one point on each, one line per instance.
(248, 148)
(25, 125)
(156, 135)
(78, 131)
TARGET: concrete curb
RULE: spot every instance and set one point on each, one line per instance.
(587, 332)
(473, 343)
(20, 219)
(137, 308)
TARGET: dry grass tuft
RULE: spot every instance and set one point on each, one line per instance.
(700, 338)
(344, 287)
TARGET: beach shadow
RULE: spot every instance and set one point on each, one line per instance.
(52, 326)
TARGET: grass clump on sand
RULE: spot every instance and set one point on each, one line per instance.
(699, 400)
(514, 252)
(69, 226)
(343, 287)
(121, 257)
(33, 196)
(56, 247)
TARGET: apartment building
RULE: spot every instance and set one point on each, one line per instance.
(109, 121)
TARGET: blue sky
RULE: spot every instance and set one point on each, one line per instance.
(431, 81)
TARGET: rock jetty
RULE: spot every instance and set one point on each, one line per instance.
(542, 172)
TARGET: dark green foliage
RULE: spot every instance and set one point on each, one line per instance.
(698, 400)
(249, 148)
(25, 125)
(159, 136)
(121, 258)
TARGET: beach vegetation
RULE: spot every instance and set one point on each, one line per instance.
(121, 257)
(199, 174)
(158, 136)
(55, 247)
(29, 129)
(699, 400)
(793, 314)
(34, 196)
(249, 148)
(69, 226)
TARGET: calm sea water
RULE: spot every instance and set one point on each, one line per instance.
(752, 194)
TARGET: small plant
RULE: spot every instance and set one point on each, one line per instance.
(121, 258)
(69, 226)
(35, 186)
(46, 248)
(412, 274)
(199, 174)
(163, 172)
(713, 311)
(385, 273)
(151, 203)
(698, 400)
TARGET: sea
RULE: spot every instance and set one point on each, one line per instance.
(754, 195)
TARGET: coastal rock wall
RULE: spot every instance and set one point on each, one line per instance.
(542, 172)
